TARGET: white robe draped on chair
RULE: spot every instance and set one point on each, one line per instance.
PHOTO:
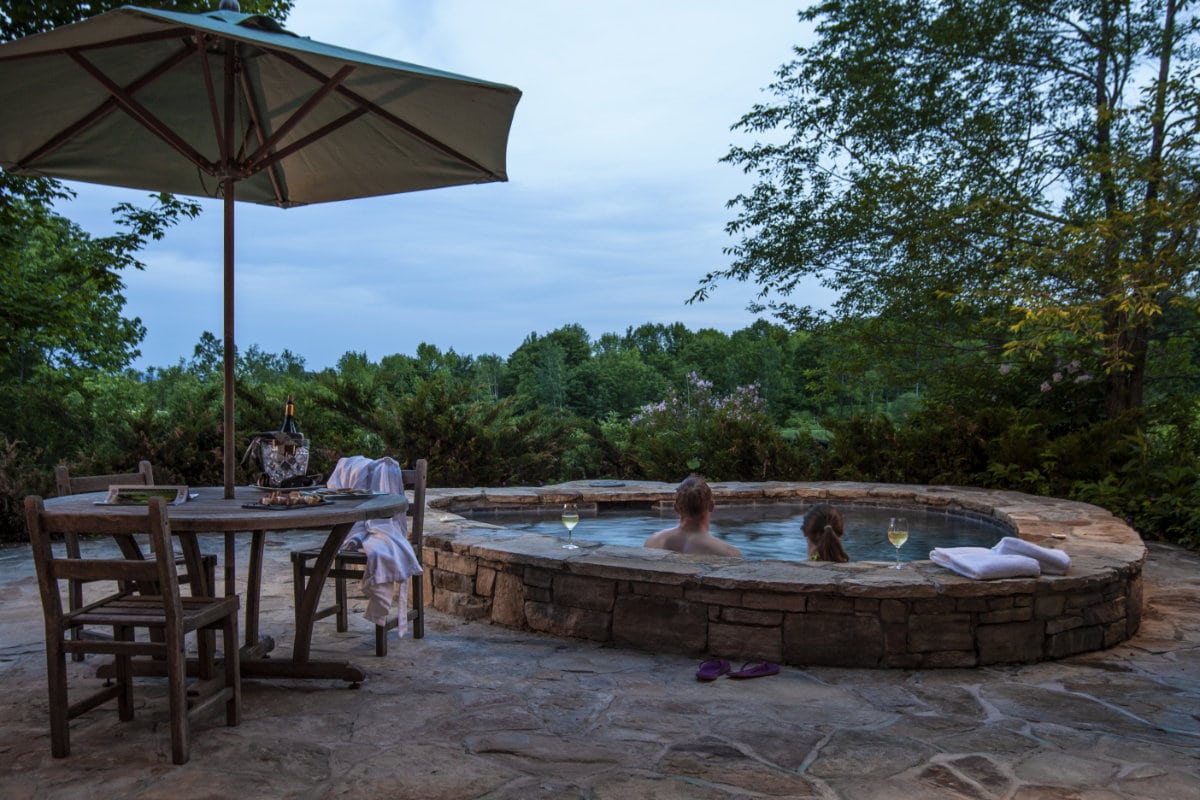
(390, 557)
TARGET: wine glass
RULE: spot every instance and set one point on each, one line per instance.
(570, 518)
(897, 534)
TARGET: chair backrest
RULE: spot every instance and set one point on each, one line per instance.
(415, 479)
(66, 484)
(159, 570)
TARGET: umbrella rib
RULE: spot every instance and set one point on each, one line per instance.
(211, 94)
(143, 115)
(367, 105)
(300, 144)
(256, 123)
(301, 112)
(170, 33)
(106, 107)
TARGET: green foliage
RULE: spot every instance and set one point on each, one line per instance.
(61, 289)
(24, 17)
(725, 437)
(469, 442)
(613, 380)
(946, 444)
(1017, 176)
(1009, 426)
(21, 474)
(1155, 487)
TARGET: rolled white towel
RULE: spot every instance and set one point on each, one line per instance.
(1053, 562)
(981, 564)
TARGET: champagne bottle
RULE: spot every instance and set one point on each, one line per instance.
(289, 417)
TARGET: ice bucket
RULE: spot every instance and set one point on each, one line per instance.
(283, 458)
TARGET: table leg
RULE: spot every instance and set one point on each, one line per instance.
(255, 646)
(254, 665)
(253, 597)
(230, 564)
(311, 600)
(193, 562)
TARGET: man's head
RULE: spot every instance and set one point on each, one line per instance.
(693, 498)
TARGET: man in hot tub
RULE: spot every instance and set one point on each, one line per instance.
(694, 504)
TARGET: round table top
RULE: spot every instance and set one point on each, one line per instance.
(210, 512)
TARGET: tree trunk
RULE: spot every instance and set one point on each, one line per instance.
(1124, 387)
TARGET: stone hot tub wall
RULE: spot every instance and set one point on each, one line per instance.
(792, 612)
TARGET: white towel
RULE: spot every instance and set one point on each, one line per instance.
(350, 473)
(982, 564)
(1053, 562)
(390, 558)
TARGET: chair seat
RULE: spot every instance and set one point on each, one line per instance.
(144, 476)
(125, 609)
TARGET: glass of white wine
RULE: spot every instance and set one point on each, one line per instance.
(570, 518)
(897, 534)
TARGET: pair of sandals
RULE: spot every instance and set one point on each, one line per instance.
(715, 668)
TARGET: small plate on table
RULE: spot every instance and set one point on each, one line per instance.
(140, 494)
(347, 494)
(285, 507)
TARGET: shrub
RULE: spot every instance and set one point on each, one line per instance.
(21, 474)
(725, 437)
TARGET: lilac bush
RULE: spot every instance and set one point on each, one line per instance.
(724, 436)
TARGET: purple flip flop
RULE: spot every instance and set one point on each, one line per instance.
(756, 670)
(711, 670)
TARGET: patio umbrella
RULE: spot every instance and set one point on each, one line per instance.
(231, 105)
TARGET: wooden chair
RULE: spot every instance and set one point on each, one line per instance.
(67, 484)
(350, 565)
(147, 597)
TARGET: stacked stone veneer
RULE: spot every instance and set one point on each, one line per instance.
(803, 613)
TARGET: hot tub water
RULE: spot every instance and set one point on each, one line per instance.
(771, 530)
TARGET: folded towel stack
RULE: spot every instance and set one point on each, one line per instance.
(1052, 562)
(981, 564)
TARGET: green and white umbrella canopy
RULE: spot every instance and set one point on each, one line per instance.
(231, 105)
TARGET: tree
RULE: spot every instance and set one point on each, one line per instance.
(25, 17)
(1022, 176)
(540, 368)
(61, 290)
(613, 381)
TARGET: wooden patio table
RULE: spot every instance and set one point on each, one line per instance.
(209, 512)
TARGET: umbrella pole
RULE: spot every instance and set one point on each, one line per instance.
(226, 139)
(230, 351)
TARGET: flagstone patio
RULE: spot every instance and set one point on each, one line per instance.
(476, 710)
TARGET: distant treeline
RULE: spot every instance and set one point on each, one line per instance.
(657, 402)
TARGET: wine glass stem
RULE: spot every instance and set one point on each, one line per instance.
(897, 556)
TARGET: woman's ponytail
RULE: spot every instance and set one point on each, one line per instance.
(829, 546)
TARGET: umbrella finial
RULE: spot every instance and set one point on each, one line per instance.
(230, 5)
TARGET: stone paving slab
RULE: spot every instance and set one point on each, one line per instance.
(482, 712)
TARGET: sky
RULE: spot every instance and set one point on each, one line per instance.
(614, 209)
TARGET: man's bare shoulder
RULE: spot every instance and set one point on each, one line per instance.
(713, 546)
(662, 539)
